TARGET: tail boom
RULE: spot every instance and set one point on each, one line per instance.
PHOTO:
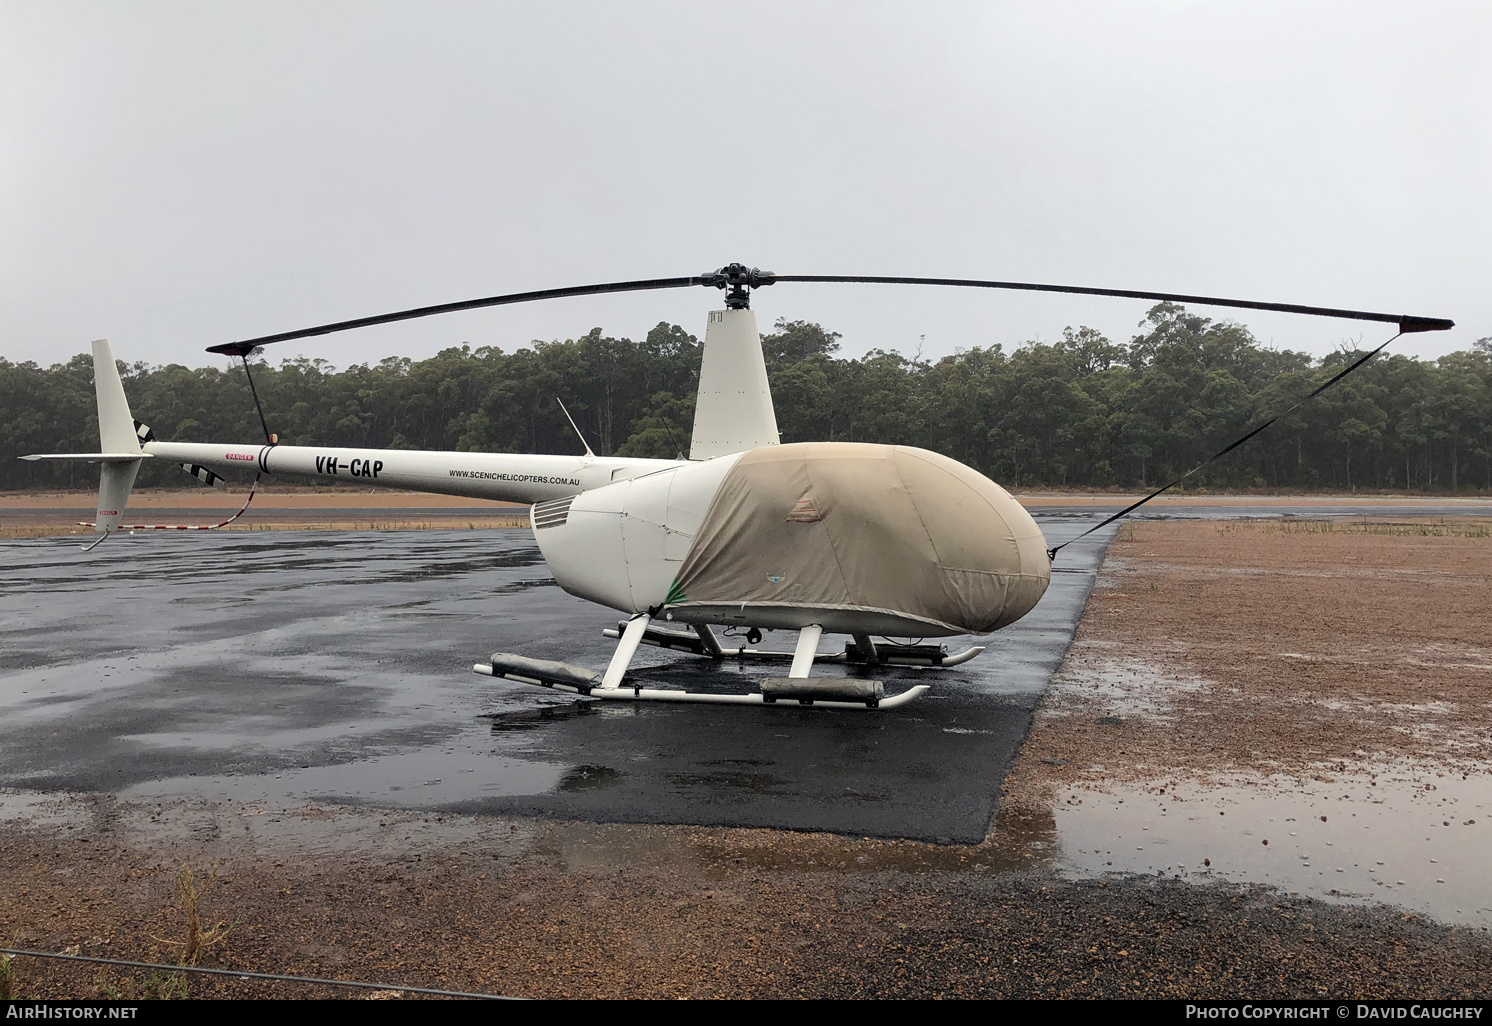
(508, 477)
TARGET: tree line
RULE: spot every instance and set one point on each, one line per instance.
(1079, 412)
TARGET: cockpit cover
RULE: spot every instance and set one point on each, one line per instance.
(840, 525)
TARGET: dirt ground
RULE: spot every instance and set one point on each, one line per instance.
(275, 508)
(577, 910)
(274, 496)
(1321, 643)
(1313, 645)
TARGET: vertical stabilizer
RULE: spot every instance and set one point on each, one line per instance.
(114, 483)
(116, 431)
(734, 410)
(116, 428)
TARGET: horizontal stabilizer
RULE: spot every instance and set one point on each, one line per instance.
(91, 457)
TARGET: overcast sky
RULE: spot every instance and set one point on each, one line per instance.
(178, 175)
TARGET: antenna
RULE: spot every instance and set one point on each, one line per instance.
(268, 438)
(574, 425)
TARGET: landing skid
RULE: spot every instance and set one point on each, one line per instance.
(703, 643)
(636, 694)
(797, 688)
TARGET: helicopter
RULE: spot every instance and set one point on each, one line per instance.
(746, 533)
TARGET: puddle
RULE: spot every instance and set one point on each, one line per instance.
(1411, 837)
(1125, 687)
(586, 778)
(1020, 841)
(264, 829)
(522, 720)
(602, 849)
(33, 809)
(422, 778)
(1401, 833)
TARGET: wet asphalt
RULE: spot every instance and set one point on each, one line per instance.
(335, 666)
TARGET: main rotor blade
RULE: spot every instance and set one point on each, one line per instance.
(246, 346)
(740, 278)
(1406, 322)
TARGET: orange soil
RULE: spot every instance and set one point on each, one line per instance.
(267, 498)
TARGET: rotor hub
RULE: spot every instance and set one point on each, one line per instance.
(738, 280)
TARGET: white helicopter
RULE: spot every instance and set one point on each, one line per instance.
(846, 538)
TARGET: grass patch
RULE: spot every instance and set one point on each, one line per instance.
(197, 940)
(1442, 528)
(158, 986)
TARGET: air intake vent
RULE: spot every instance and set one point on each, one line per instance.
(552, 514)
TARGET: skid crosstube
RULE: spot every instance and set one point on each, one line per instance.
(703, 643)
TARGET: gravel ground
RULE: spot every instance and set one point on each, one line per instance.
(1286, 647)
(566, 910)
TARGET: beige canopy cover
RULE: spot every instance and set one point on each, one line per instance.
(873, 528)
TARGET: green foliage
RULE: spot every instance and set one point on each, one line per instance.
(157, 986)
(1083, 411)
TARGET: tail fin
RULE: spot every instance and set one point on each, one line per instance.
(116, 430)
